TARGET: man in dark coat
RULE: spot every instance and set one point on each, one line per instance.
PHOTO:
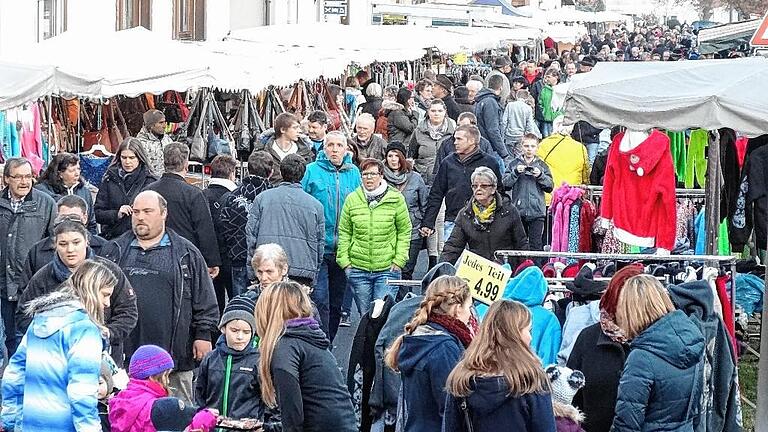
(466, 104)
(222, 182)
(448, 145)
(453, 183)
(488, 112)
(443, 89)
(174, 293)
(186, 216)
(42, 252)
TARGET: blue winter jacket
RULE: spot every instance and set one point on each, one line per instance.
(661, 384)
(56, 390)
(330, 186)
(426, 358)
(488, 112)
(492, 408)
(530, 288)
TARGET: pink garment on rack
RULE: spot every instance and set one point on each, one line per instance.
(32, 141)
(562, 200)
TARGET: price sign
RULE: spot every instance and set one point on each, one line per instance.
(486, 278)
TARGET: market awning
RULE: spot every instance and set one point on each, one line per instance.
(708, 94)
(506, 7)
(726, 36)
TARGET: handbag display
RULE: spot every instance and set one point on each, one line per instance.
(205, 142)
(174, 108)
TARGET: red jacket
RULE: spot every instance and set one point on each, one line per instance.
(639, 192)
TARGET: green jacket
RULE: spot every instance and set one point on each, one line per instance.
(374, 238)
(545, 99)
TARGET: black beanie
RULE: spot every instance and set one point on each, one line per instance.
(239, 308)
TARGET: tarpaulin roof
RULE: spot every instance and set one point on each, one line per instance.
(708, 94)
(506, 7)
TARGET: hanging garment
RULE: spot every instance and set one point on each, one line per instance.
(563, 198)
(639, 192)
(741, 149)
(12, 145)
(752, 201)
(723, 244)
(730, 170)
(679, 152)
(586, 220)
(31, 138)
(93, 168)
(573, 228)
(696, 162)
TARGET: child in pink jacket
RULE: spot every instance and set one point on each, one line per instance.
(131, 409)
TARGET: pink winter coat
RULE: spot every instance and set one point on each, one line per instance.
(562, 200)
(131, 409)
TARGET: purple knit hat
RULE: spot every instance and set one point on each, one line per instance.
(149, 360)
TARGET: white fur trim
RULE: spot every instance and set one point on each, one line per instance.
(631, 239)
(567, 411)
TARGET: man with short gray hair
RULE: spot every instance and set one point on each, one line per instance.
(368, 144)
(26, 217)
(188, 212)
(154, 139)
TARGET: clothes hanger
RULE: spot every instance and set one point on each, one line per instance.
(98, 147)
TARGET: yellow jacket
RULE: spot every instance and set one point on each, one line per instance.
(567, 159)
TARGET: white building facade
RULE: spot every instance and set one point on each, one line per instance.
(23, 22)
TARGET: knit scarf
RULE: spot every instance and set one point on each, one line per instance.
(464, 332)
(306, 321)
(610, 328)
(395, 178)
(437, 132)
(60, 270)
(483, 215)
(375, 196)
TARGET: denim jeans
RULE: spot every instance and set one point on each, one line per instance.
(369, 286)
(329, 294)
(592, 152)
(448, 229)
(545, 128)
(240, 280)
(346, 304)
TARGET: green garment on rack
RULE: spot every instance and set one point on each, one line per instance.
(679, 153)
(696, 162)
(723, 243)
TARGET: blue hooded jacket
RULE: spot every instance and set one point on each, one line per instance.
(330, 186)
(530, 288)
(661, 385)
(56, 389)
(426, 358)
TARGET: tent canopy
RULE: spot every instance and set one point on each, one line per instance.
(708, 94)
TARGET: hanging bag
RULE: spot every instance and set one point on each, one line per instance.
(173, 107)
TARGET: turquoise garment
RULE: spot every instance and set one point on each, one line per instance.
(723, 244)
(530, 288)
(331, 186)
(696, 161)
(56, 389)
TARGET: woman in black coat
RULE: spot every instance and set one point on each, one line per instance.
(128, 175)
(486, 224)
(62, 177)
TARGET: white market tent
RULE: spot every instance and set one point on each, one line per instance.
(135, 61)
(708, 94)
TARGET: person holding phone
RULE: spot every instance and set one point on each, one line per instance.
(527, 178)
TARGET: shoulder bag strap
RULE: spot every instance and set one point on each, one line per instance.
(467, 416)
(553, 148)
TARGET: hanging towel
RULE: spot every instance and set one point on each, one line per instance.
(696, 162)
(679, 153)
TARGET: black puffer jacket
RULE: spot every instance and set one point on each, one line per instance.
(505, 232)
(401, 123)
(115, 192)
(244, 394)
(120, 317)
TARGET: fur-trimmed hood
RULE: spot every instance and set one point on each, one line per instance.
(387, 106)
(567, 412)
(50, 301)
(54, 312)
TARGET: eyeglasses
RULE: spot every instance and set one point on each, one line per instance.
(482, 186)
(370, 174)
(22, 177)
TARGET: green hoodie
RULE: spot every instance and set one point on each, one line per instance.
(545, 100)
(372, 238)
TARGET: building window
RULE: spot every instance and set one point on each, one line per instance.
(134, 13)
(189, 19)
(51, 18)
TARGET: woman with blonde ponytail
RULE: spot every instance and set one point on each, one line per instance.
(499, 384)
(297, 369)
(434, 339)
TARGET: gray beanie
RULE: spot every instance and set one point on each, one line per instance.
(153, 116)
(239, 308)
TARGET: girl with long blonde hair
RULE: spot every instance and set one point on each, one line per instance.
(499, 383)
(661, 383)
(297, 369)
(65, 342)
(434, 339)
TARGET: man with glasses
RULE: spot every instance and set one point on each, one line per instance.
(26, 217)
(452, 181)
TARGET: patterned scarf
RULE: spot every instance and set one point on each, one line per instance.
(395, 178)
(610, 328)
(437, 132)
(483, 215)
(464, 332)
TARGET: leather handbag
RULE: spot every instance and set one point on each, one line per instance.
(173, 107)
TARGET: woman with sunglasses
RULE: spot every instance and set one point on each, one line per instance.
(485, 224)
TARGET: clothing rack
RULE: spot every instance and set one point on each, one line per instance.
(679, 193)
